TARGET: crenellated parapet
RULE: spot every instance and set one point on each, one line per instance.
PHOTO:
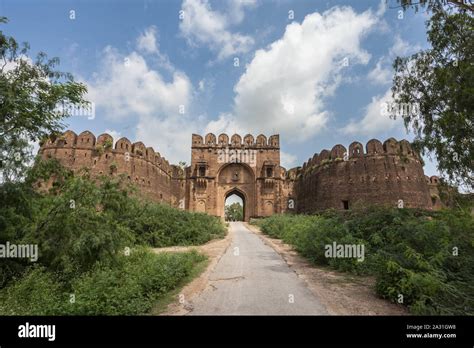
(105, 143)
(235, 141)
(388, 173)
(373, 149)
(141, 165)
(378, 173)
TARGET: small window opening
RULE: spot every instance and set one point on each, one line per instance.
(202, 171)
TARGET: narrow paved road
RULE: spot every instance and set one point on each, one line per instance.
(251, 278)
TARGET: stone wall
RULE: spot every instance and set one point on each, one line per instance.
(247, 166)
(141, 165)
(384, 174)
(433, 182)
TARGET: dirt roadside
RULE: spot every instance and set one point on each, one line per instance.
(341, 293)
(214, 250)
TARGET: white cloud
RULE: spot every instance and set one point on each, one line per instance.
(202, 85)
(381, 8)
(380, 75)
(287, 160)
(10, 65)
(285, 85)
(170, 136)
(375, 120)
(401, 47)
(34, 147)
(237, 9)
(225, 123)
(202, 25)
(147, 41)
(147, 44)
(126, 87)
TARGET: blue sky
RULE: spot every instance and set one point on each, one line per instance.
(316, 72)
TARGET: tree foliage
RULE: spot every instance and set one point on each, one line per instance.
(92, 236)
(30, 94)
(440, 82)
(234, 212)
(433, 4)
(80, 221)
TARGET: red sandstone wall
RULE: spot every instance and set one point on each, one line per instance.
(383, 175)
(264, 194)
(432, 183)
(142, 166)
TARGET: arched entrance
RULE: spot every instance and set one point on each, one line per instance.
(236, 179)
(234, 205)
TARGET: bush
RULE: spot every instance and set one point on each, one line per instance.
(160, 225)
(38, 292)
(82, 227)
(411, 252)
(73, 231)
(82, 221)
(128, 287)
(132, 286)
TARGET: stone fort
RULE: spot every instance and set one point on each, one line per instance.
(383, 174)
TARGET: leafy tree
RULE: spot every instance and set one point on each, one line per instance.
(440, 82)
(234, 212)
(80, 221)
(77, 227)
(432, 4)
(30, 94)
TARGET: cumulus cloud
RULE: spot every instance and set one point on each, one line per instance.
(147, 40)
(285, 85)
(10, 65)
(375, 120)
(171, 136)
(202, 85)
(381, 74)
(287, 160)
(225, 123)
(126, 87)
(237, 9)
(201, 25)
(147, 44)
(401, 47)
(381, 8)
